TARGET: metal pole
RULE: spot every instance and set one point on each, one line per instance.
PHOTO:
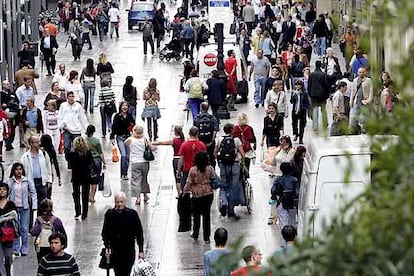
(34, 14)
(10, 73)
(15, 33)
(26, 20)
(2, 72)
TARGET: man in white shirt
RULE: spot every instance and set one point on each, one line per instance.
(61, 77)
(23, 93)
(72, 121)
(113, 14)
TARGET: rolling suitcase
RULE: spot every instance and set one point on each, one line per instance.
(243, 90)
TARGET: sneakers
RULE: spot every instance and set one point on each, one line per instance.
(77, 217)
(124, 177)
(295, 137)
(223, 210)
(194, 237)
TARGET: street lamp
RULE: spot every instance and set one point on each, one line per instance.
(222, 112)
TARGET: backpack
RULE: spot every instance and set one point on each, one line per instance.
(196, 89)
(205, 127)
(227, 151)
(47, 230)
(287, 197)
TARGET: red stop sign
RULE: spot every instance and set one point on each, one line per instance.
(210, 59)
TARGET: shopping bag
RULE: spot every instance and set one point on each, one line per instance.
(107, 190)
(115, 157)
(143, 268)
(61, 147)
(101, 183)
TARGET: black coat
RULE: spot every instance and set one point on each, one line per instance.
(26, 57)
(288, 32)
(216, 91)
(318, 86)
(53, 44)
(80, 167)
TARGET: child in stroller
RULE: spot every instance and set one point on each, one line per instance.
(171, 50)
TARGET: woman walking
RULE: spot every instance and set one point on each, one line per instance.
(122, 126)
(8, 213)
(176, 143)
(104, 69)
(21, 189)
(53, 224)
(55, 94)
(199, 185)
(75, 86)
(151, 111)
(271, 127)
(81, 159)
(129, 93)
(47, 145)
(98, 159)
(245, 133)
(139, 166)
(87, 79)
(106, 98)
(50, 123)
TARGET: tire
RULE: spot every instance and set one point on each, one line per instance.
(249, 195)
(129, 27)
(161, 56)
(168, 58)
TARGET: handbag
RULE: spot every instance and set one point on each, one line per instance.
(105, 262)
(233, 27)
(148, 154)
(8, 232)
(101, 183)
(143, 268)
(115, 157)
(61, 147)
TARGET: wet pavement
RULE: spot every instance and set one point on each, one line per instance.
(170, 252)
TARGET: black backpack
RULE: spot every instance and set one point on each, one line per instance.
(298, 69)
(287, 197)
(227, 151)
(205, 126)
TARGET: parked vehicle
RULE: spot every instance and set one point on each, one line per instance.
(138, 11)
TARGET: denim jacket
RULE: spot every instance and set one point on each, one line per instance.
(27, 187)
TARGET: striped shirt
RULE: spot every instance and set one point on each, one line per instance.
(58, 265)
(106, 96)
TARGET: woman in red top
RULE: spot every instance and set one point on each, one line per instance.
(199, 185)
(230, 67)
(176, 144)
(246, 135)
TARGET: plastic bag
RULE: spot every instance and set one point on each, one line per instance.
(115, 157)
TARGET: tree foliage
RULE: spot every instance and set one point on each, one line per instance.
(379, 238)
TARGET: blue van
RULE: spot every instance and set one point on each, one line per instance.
(138, 11)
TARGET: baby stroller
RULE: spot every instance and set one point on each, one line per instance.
(171, 50)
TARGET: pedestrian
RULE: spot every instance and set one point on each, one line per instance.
(187, 37)
(320, 30)
(248, 15)
(65, 16)
(23, 92)
(104, 69)
(130, 95)
(86, 28)
(121, 229)
(278, 96)
(122, 126)
(139, 165)
(47, 146)
(26, 70)
(229, 153)
(297, 162)
(75, 86)
(37, 167)
(61, 77)
(106, 99)
(87, 79)
(285, 194)
(208, 126)
(72, 122)
(318, 91)
(216, 93)
(10, 104)
(288, 31)
(32, 120)
(26, 55)
(245, 44)
(195, 86)
(289, 235)
(359, 60)
(245, 133)
(260, 65)
(252, 256)
(82, 166)
(76, 41)
(49, 46)
(339, 120)
(159, 26)
(8, 213)
(98, 159)
(212, 255)
(102, 20)
(347, 44)
(301, 105)
(230, 67)
(4, 130)
(55, 94)
(151, 112)
(50, 123)
(22, 192)
(271, 127)
(275, 74)
(45, 225)
(147, 35)
(114, 18)
(58, 262)
(387, 96)
(176, 143)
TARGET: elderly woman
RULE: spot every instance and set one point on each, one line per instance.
(245, 133)
(139, 166)
(151, 112)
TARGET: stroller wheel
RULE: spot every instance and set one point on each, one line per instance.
(177, 57)
(161, 56)
(168, 58)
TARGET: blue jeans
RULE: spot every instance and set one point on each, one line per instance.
(21, 243)
(133, 111)
(321, 43)
(124, 150)
(194, 104)
(259, 86)
(229, 193)
(89, 90)
(106, 121)
(67, 142)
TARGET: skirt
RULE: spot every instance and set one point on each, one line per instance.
(151, 112)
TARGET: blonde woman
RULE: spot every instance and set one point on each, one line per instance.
(139, 166)
(104, 69)
(151, 112)
(245, 133)
(81, 161)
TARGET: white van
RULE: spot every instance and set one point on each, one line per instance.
(323, 191)
(206, 61)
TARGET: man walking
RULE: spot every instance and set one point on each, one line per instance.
(361, 97)
(121, 229)
(260, 65)
(23, 92)
(72, 121)
(229, 152)
(48, 46)
(318, 91)
(10, 103)
(32, 120)
(211, 256)
(58, 262)
(147, 34)
(113, 14)
(248, 16)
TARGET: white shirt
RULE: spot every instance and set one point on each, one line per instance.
(349, 87)
(77, 90)
(277, 25)
(72, 118)
(137, 147)
(23, 93)
(113, 14)
(61, 79)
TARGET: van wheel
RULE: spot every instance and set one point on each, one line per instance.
(129, 27)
